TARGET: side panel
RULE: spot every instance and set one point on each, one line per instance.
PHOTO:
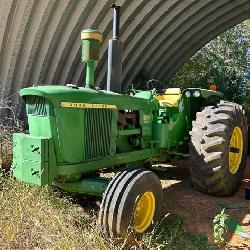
(45, 126)
(171, 135)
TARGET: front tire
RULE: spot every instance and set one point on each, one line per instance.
(218, 149)
(133, 199)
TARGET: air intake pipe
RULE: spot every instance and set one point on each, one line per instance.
(114, 77)
(91, 40)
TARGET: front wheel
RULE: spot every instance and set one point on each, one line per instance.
(218, 149)
(133, 199)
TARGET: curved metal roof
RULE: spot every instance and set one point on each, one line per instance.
(40, 39)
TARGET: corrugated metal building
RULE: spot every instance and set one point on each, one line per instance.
(40, 39)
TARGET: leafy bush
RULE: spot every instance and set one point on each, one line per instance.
(223, 61)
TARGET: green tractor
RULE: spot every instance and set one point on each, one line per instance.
(78, 134)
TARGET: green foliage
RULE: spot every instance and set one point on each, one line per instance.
(222, 61)
(220, 228)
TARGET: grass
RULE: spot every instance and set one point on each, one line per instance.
(170, 235)
(34, 217)
(6, 132)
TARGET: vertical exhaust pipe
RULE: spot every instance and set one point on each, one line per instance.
(114, 77)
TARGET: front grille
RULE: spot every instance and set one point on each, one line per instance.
(98, 133)
(37, 105)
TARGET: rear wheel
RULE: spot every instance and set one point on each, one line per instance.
(218, 149)
(133, 201)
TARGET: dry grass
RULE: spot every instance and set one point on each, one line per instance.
(44, 218)
(9, 124)
(6, 143)
(33, 217)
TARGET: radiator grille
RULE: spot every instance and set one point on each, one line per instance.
(98, 133)
(37, 105)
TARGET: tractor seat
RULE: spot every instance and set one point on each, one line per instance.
(171, 98)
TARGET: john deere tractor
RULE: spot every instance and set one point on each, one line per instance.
(78, 133)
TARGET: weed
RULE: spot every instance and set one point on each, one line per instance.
(220, 228)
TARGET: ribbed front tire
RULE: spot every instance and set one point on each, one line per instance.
(132, 200)
(218, 149)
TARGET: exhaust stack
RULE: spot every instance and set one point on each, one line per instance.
(114, 77)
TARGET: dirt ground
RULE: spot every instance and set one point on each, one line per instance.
(198, 209)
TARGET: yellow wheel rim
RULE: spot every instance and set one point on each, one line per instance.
(144, 212)
(235, 150)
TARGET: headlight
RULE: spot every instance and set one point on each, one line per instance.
(187, 94)
(196, 93)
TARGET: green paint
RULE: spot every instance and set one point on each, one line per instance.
(90, 53)
(90, 77)
(58, 94)
(172, 133)
(88, 134)
(108, 162)
(135, 131)
(90, 45)
(90, 186)
(34, 159)
(30, 159)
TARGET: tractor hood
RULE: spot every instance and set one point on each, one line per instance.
(58, 95)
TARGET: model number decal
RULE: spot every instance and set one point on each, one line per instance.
(86, 105)
(147, 118)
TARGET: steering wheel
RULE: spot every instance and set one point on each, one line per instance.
(154, 84)
(131, 92)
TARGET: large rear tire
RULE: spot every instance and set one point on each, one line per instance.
(133, 199)
(218, 149)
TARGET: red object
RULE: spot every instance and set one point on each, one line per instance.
(213, 87)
